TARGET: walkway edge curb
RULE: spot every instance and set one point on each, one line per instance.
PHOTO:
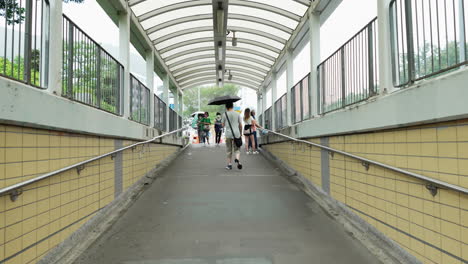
(71, 248)
(385, 249)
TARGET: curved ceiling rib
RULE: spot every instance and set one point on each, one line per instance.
(208, 68)
(195, 49)
(212, 82)
(213, 73)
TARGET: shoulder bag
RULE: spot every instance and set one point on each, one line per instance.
(237, 141)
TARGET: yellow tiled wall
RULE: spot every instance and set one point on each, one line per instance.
(49, 211)
(432, 228)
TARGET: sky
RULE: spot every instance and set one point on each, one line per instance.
(334, 32)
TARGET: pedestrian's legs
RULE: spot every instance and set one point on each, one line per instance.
(247, 143)
(229, 146)
(251, 139)
(255, 139)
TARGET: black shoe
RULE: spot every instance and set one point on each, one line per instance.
(229, 167)
(239, 165)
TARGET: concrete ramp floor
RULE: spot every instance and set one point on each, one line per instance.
(200, 213)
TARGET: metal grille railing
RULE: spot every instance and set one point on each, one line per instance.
(172, 120)
(159, 113)
(267, 118)
(139, 101)
(281, 120)
(260, 120)
(90, 75)
(24, 35)
(300, 98)
(428, 38)
(350, 75)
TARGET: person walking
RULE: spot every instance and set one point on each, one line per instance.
(249, 124)
(201, 133)
(206, 126)
(232, 124)
(254, 130)
(218, 128)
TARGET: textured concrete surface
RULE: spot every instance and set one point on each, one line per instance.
(200, 213)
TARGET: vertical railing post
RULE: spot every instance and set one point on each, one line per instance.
(462, 27)
(118, 99)
(98, 77)
(28, 41)
(70, 59)
(409, 40)
(343, 78)
(370, 50)
(320, 91)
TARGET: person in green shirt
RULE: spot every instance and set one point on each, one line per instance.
(205, 126)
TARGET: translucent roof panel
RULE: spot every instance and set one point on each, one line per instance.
(187, 47)
(186, 37)
(258, 26)
(179, 27)
(263, 15)
(175, 14)
(182, 31)
(190, 55)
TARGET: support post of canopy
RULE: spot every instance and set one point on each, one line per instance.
(55, 48)
(165, 98)
(150, 82)
(314, 35)
(124, 56)
(273, 99)
(289, 85)
(384, 52)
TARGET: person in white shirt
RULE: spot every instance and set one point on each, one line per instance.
(232, 124)
(249, 124)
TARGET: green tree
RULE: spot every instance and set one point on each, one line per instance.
(15, 13)
(206, 94)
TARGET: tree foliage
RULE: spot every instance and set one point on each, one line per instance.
(15, 13)
(206, 94)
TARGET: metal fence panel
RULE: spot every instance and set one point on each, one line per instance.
(90, 75)
(428, 38)
(268, 118)
(139, 101)
(350, 75)
(25, 40)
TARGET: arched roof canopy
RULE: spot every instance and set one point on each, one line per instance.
(213, 40)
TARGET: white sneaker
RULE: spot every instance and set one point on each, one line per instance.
(255, 152)
(247, 152)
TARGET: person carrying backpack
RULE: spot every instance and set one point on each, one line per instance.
(233, 124)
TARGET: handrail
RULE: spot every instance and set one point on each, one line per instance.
(13, 189)
(366, 162)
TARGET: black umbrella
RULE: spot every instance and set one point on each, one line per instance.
(224, 100)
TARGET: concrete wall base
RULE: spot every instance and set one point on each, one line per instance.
(72, 247)
(385, 249)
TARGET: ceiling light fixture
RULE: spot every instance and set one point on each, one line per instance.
(230, 75)
(234, 39)
(220, 18)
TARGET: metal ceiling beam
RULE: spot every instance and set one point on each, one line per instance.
(206, 63)
(235, 69)
(173, 7)
(211, 79)
(240, 57)
(180, 33)
(227, 81)
(304, 2)
(262, 21)
(178, 21)
(213, 73)
(202, 40)
(258, 32)
(208, 48)
(266, 7)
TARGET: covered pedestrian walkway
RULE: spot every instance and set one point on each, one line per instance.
(364, 158)
(201, 213)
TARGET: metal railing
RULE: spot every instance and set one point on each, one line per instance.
(90, 75)
(350, 75)
(173, 119)
(25, 41)
(280, 107)
(159, 113)
(267, 118)
(15, 190)
(300, 99)
(433, 185)
(139, 101)
(428, 38)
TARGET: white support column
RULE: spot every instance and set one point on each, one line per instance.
(55, 48)
(289, 85)
(165, 98)
(314, 34)
(384, 59)
(150, 82)
(176, 105)
(264, 104)
(273, 100)
(124, 55)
